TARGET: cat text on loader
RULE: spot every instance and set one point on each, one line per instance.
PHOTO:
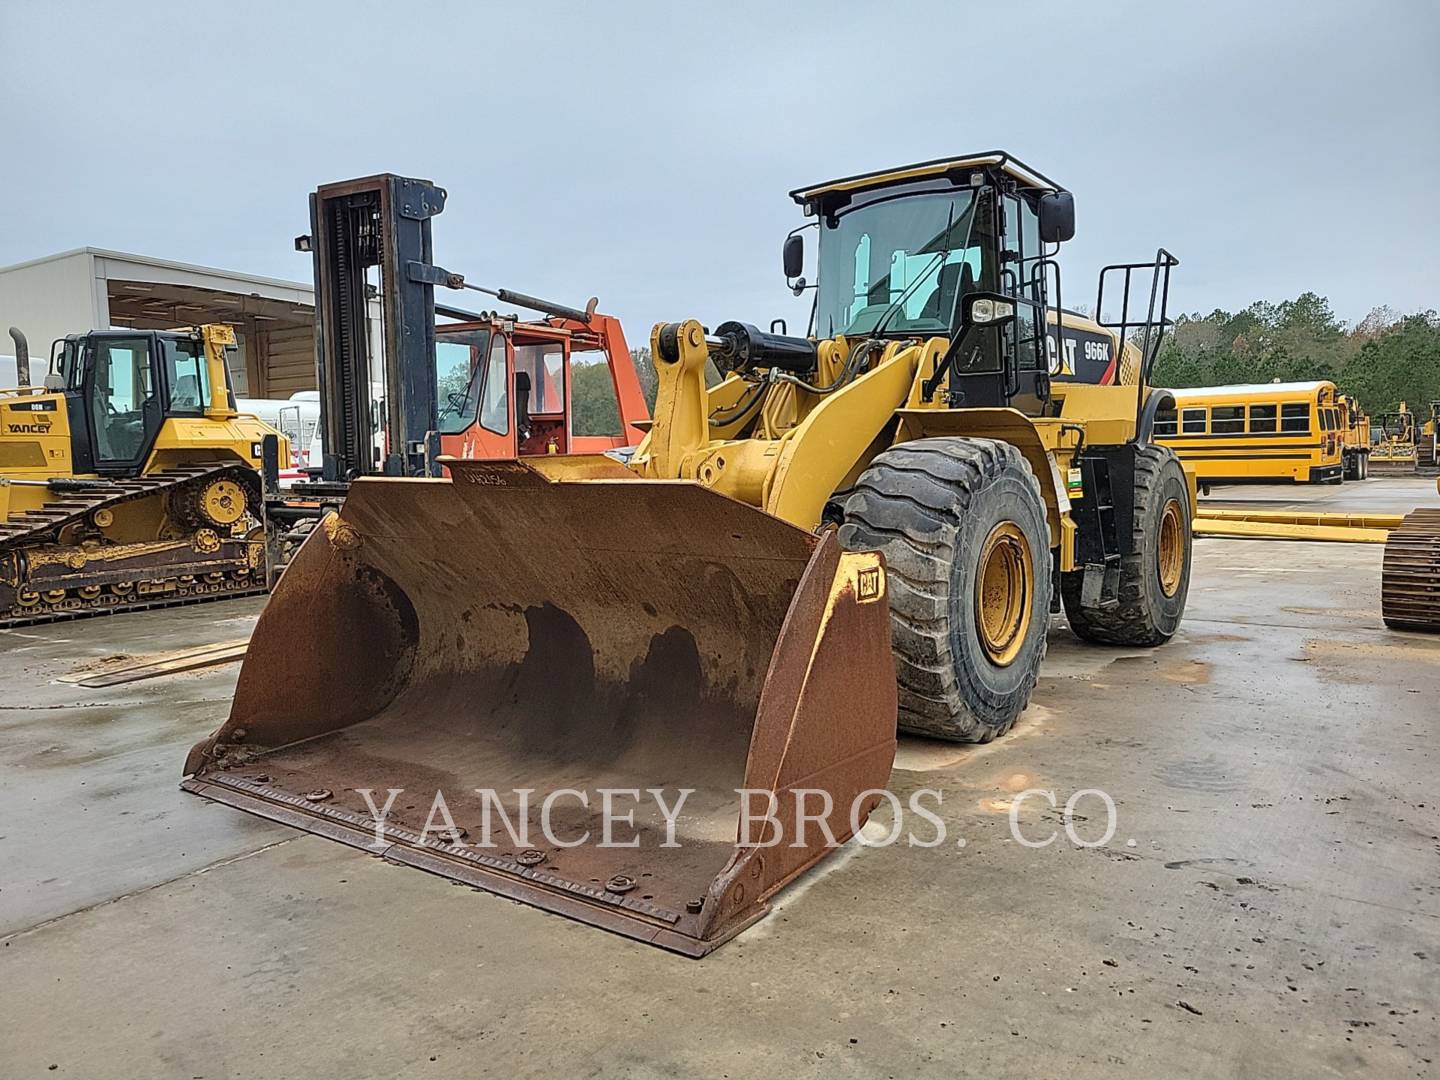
(876, 514)
(128, 479)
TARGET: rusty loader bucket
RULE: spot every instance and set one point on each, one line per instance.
(502, 650)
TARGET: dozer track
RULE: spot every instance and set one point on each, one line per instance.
(46, 578)
(1410, 577)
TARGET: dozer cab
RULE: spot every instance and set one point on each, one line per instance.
(1395, 451)
(870, 522)
(129, 479)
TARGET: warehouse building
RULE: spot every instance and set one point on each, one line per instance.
(92, 289)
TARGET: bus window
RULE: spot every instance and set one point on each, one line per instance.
(1192, 421)
(1227, 419)
(1262, 419)
(1327, 419)
(1165, 423)
(1295, 419)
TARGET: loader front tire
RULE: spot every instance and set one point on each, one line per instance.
(962, 525)
(1155, 579)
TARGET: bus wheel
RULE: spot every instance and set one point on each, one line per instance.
(1155, 579)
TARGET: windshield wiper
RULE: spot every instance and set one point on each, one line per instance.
(924, 275)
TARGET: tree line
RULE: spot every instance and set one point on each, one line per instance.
(593, 408)
(1384, 359)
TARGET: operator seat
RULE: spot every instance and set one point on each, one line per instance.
(522, 404)
(942, 301)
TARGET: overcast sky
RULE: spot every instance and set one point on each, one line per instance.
(642, 152)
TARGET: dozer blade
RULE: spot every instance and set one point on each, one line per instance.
(521, 645)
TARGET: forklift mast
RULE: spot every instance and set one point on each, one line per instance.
(380, 221)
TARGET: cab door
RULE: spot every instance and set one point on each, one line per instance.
(121, 401)
(473, 371)
(542, 398)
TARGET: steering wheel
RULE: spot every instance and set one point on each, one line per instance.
(110, 409)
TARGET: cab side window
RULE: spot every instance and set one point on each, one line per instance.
(189, 375)
(495, 398)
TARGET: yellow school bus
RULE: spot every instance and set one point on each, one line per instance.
(1256, 433)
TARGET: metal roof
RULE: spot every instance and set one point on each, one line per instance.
(164, 264)
(1031, 178)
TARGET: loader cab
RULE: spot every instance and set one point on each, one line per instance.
(965, 249)
(121, 386)
(503, 389)
(908, 254)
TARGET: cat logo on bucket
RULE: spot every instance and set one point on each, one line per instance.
(869, 584)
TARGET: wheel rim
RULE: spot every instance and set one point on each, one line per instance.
(1172, 547)
(1006, 583)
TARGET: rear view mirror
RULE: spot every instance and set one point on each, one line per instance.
(1057, 217)
(794, 255)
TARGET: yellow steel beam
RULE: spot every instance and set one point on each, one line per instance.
(1292, 517)
(1273, 530)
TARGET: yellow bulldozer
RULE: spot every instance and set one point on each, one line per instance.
(870, 523)
(128, 479)
(1396, 446)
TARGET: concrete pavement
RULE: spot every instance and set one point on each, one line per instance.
(1269, 904)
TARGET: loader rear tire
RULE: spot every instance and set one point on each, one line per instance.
(962, 525)
(1154, 580)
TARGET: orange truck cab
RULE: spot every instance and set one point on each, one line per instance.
(505, 386)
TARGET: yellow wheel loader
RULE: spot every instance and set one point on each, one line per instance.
(873, 521)
(128, 479)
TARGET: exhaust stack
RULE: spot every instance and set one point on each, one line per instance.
(22, 357)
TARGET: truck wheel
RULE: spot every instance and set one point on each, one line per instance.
(1155, 580)
(962, 525)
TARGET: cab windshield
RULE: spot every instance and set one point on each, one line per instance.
(898, 264)
(460, 377)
